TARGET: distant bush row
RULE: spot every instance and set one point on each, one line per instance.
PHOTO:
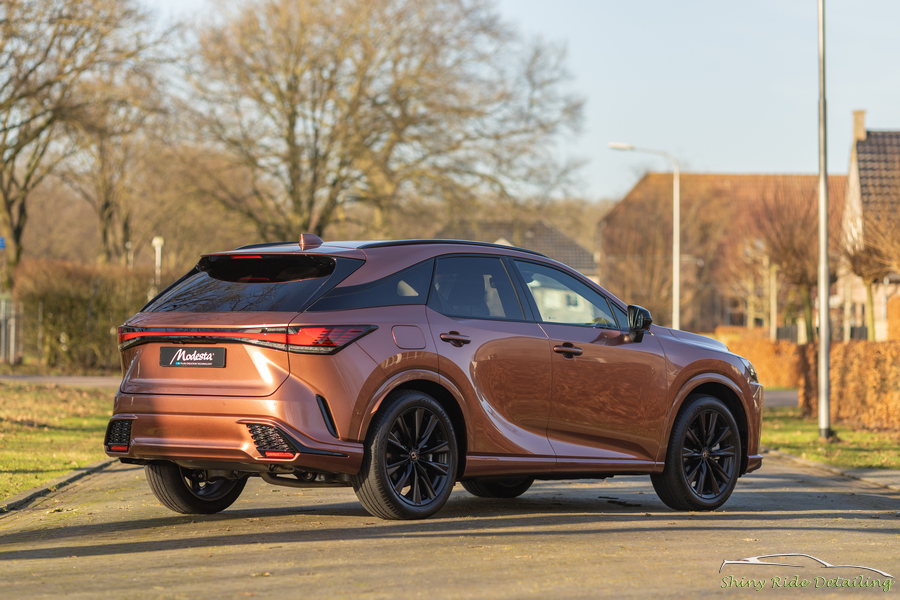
(865, 383)
(71, 311)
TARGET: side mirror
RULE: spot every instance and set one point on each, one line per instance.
(639, 321)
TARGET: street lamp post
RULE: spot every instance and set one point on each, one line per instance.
(676, 226)
(157, 242)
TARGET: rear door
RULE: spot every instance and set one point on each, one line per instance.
(492, 354)
(609, 394)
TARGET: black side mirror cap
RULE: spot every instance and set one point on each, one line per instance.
(639, 321)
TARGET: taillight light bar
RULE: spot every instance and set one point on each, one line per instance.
(314, 339)
(325, 339)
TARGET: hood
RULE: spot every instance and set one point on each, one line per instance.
(699, 340)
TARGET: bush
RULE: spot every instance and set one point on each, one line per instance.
(775, 362)
(71, 310)
(865, 383)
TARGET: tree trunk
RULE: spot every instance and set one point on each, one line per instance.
(806, 298)
(870, 311)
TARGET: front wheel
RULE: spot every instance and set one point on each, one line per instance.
(703, 458)
(409, 466)
(189, 491)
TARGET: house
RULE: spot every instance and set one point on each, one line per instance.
(726, 275)
(872, 196)
(538, 236)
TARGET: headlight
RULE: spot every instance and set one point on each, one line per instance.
(750, 369)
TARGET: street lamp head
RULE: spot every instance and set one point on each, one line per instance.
(620, 146)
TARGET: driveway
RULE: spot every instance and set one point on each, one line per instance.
(106, 536)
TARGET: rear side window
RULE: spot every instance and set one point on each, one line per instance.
(474, 287)
(251, 283)
(409, 286)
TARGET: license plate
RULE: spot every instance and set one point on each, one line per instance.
(192, 357)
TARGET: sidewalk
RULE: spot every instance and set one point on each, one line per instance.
(66, 380)
(886, 478)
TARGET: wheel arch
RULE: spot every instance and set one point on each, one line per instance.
(724, 390)
(438, 388)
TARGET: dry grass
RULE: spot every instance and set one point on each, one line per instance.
(47, 431)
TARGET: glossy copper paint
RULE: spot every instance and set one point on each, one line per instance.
(521, 406)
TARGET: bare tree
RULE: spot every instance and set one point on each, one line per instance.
(307, 107)
(786, 220)
(46, 48)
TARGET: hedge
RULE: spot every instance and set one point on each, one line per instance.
(865, 383)
(71, 310)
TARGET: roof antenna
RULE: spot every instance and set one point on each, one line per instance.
(308, 241)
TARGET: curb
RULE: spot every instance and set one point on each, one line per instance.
(20, 500)
(851, 474)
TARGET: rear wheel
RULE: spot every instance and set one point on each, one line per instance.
(409, 466)
(507, 487)
(703, 457)
(189, 491)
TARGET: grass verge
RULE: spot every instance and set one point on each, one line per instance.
(785, 429)
(47, 431)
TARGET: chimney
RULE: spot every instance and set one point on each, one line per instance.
(859, 125)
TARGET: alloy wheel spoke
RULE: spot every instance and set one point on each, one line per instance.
(401, 483)
(701, 428)
(425, 482)
(723, 452)
(439, 467)
(394, 440)
(405, 438)
(435, 449)
(419, 415)
(725, 433)
(391, 469)
(429, 429)
(711, 430)
(724, 477)
(692, 475)
(701, 478)
(712, 478)
(693, 438)
(416, 490)
(686, 454)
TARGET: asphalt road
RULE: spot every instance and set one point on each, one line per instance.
(107, 537)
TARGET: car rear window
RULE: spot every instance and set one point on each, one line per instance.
(253, 283)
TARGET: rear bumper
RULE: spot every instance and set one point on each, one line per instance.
(753, 463)
(217, 431)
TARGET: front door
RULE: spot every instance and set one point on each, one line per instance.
(609, 393)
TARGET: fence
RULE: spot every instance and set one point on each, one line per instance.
(11, 332)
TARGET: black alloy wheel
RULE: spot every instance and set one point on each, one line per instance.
(410, 463)
(708, 454)
(703, 458)
(190, 491)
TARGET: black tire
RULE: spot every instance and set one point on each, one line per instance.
(507, 487)
(703, 457)
(409, 466)
(185, 491)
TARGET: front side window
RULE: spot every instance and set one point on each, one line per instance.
(474, 287)
(561, 298)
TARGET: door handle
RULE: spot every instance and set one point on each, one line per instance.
(568, 350)
(455, 338)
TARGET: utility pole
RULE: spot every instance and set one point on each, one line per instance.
(824, 280)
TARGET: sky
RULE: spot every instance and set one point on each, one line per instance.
(725, 87)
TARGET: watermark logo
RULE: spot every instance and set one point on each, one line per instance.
(883, 580)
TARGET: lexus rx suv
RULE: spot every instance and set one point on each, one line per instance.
(402, 367)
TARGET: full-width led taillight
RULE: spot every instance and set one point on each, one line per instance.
(324, 340)
(317, 339)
